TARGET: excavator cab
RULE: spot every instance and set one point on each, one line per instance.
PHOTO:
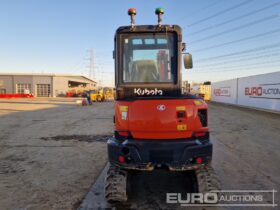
(156, 126)
(149, 57)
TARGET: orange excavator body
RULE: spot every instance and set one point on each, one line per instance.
(160, 119)
(155, 123)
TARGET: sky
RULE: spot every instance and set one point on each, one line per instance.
(228, 39)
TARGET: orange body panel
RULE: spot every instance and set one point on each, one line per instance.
(158, 119)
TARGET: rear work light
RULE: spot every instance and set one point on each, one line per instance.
(199, 160)
(200, 134)
(203, 137)
(121, 159)
(123, 133)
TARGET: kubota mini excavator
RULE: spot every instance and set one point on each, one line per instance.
(155, 124)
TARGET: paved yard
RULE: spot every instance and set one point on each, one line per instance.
(52, 151)
(40, 172)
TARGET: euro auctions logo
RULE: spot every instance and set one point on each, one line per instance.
(253, 91)
(267, 91)
(236, 198)
(192, 198)
(222, 91)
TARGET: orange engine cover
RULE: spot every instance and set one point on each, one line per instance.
(159, 119)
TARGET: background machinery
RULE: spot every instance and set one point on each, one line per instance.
(102, 94)
(202, 91)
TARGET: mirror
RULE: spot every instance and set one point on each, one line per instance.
(183, 47)
(188, 63)
(114, 54)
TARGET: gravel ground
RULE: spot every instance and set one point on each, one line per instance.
(246, 148)
(246, 157)
(52, 151)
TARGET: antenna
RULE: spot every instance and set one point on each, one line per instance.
(132, 12)
(159, 12)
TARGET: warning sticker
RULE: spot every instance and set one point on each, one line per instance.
(123, 108)
(181, 127)
(180, 108)
(197, 102)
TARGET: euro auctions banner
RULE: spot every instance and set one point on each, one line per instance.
(224, 91)
(261, 91)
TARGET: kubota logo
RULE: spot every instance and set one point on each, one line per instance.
(146, 91)
(161, 107)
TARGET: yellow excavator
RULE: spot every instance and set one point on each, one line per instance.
(102, 94)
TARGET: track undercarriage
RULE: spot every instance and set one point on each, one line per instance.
(117, 182)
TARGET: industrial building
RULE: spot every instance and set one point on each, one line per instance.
(44, 85)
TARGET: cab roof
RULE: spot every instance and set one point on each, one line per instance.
(150, 29)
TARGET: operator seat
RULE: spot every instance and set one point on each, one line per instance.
(145, 71)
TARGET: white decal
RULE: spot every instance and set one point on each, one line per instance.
(148, 92)
(161, 107)
(124, 115)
